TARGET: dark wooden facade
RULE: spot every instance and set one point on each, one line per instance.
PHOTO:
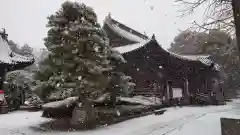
(157, 71)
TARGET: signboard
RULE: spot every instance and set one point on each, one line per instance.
(177, 92)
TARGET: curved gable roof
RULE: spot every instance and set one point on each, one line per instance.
(124, 31)
(204, 59)
(131, 47)
(9, 57)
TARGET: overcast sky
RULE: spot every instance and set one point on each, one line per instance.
(25, 20)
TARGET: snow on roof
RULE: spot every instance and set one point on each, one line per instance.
(122, 32)
(195, 57)
(202, 58)
(4, 51)
(20, 58)
(7, 56)
(131, 47)
(189, 57)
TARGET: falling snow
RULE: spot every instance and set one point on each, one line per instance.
(79, 77)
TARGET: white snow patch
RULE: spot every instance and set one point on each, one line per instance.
(21, 119)
(131, 47)
(57, 104)
(175, 121)
(4, 51)
(142, 100)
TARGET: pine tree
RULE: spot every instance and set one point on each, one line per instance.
(80, 61)
(77, 63)
(120, 84)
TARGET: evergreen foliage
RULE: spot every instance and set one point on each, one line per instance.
(80, 61)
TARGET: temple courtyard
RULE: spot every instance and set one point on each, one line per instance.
(175, 121)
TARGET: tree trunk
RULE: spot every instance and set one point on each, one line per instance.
(84, 115)
(113, 97)
(90, 117)
(236, 15)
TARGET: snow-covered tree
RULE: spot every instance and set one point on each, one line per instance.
(120, 83)
(26, 50)
(78, 60)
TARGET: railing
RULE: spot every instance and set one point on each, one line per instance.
(147, 92)
(202, 97)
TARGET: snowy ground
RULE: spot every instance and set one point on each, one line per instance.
(175, 121)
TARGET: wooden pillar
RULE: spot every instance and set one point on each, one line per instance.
(2, 76)
(162, 91)
(186, 94)
(169, 92)
(205, 85)
(209, 88)
(198, 85)
(216, 90)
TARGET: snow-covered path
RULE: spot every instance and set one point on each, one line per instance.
(175, 121)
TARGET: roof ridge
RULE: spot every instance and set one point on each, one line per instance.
(110, 21)
(131, 47)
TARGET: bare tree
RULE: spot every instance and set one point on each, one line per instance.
(218, 14)
(221, 14)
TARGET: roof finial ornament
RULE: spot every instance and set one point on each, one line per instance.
(145, 33)
(153, 36)
(109, 14)
(3, 34)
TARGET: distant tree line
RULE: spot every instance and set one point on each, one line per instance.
(23, 50)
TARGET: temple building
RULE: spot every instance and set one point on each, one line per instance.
(157, 71)
(9, 60)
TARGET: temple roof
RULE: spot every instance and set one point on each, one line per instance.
(124, 31)
(131, 47)
(204, 59)
(142, 40)
(9, 57)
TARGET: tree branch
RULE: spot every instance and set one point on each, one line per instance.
(218, 13)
